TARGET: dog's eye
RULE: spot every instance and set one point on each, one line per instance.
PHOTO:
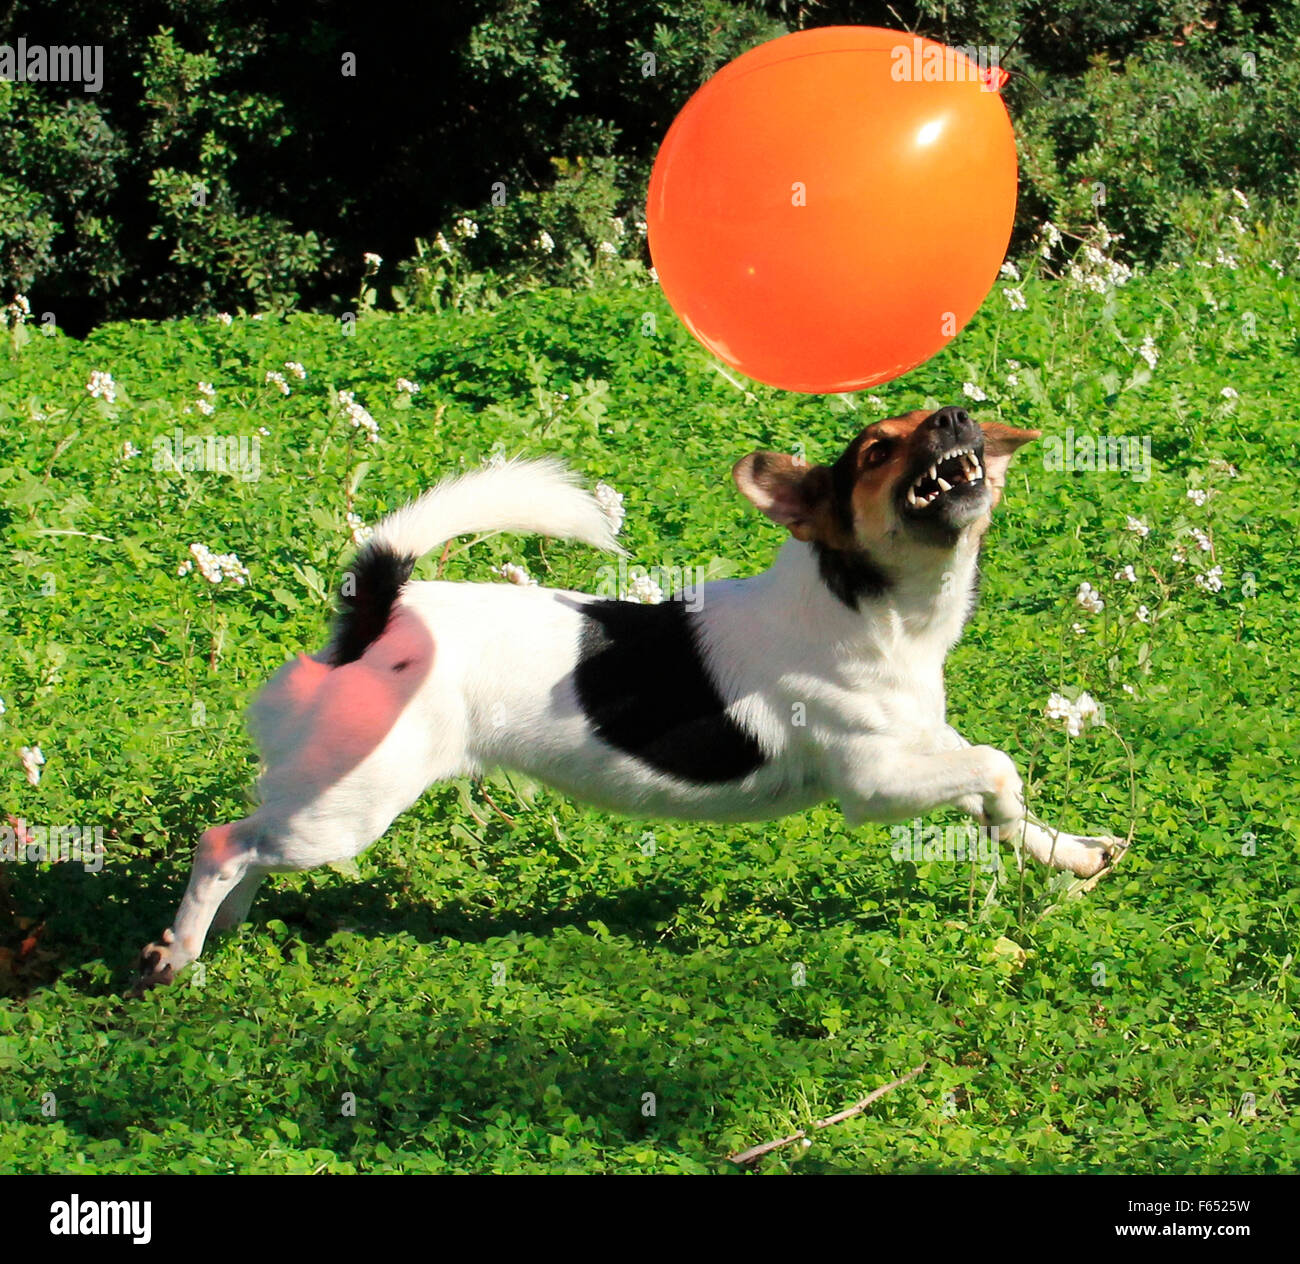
(878, 453)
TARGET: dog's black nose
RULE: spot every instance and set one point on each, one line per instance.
(949, 421)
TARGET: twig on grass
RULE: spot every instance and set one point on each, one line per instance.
(757, 1152)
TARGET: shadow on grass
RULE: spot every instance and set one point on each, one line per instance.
(58, 917)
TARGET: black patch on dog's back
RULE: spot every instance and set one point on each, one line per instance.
(643, 685)
(377, 575)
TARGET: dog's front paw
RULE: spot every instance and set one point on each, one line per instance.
(157, 965)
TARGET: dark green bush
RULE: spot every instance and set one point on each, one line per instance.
(231, 160)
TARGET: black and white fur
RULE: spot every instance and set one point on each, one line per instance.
(821, 678)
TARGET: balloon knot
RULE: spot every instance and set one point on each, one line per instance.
(995, 78)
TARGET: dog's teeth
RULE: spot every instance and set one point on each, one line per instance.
(945, 485)
(911, 495)
(932, 472)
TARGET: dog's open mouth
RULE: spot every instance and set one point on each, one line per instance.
(960, 467)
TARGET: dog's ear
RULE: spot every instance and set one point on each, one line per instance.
(789, 491)
(1000, 444)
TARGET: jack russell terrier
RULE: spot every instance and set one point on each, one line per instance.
(821, 678)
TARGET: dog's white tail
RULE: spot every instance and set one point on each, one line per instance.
(538, 497)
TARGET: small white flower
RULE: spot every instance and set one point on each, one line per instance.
(465, 227)
(129, 450)
(645, 591)
(1073, 714)
(1242, 200)
(1179, 554)
(1148, 351)
(1078, 629)
(1049, 237)
(1015, 298)
(102, 386)
(1127, 573)
(875, 401)
(1058, 706)
(1089, 598)
(358, 416)
(2, 706)
(225, 318)
(296, 369)
(545, 242)
(1211, 580)
(1228, 261)
(641, 228)
(18, 311)
(207, 390)
(372, 261)
(215, 567)
(1143, 614)
(971, 391)
(406, 386)
(443, 244)
(515, 574)
(32, 759)
(205, 407)
(1237, 226)
(1197, 496)
(1127, 688)
(1013, 379)
(1086, 705)
(1137, 526)
(1202, 540)
(612, 503)
(1229, 393)
(360, 532)
(277, 380)
(607, 248)
(620, 229)
(262, 430)
(653, 274)
(1010, 271)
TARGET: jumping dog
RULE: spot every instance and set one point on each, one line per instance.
(821, 678)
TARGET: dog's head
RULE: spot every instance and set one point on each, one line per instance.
(907, 489)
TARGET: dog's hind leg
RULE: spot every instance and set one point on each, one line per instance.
(225, 867)
(234, 908)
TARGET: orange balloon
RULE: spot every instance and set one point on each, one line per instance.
(831, 207)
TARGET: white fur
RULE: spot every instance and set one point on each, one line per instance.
(845, 704)
(538, 497)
